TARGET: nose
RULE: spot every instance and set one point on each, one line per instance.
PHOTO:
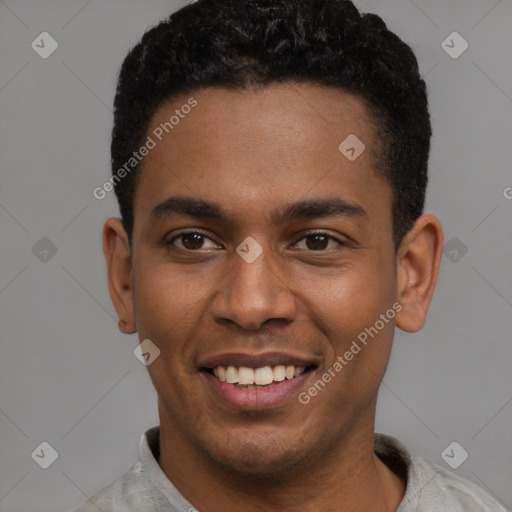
(254, 293)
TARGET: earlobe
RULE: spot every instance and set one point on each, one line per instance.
(418, 261)
(119, 270)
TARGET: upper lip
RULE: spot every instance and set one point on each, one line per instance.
(255, 360)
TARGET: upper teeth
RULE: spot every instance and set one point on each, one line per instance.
(259, 376)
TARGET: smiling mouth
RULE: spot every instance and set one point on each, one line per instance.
(255, 378)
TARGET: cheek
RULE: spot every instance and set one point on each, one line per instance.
(167, 309)
(351, 299)
(167, 303)
(348, 307)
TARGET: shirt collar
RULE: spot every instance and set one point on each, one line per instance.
(389, 450)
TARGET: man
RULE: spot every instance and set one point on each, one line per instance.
(270, 162)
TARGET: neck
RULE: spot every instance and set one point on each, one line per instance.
(348, 477)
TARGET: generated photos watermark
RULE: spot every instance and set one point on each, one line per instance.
(157, 135)
(343, 360)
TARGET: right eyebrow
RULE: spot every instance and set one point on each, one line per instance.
(184, 205)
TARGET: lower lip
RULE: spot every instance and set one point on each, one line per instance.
(266, 397)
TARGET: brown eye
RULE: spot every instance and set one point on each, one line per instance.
(192, 241)
(319, 242)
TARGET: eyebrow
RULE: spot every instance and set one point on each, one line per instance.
(306, 209)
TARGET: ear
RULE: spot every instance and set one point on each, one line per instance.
(418, 261)
(116, 249)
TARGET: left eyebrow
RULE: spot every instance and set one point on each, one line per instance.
(319, 208)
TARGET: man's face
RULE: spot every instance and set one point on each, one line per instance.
(322, 277)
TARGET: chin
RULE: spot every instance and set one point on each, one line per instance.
(259, 457)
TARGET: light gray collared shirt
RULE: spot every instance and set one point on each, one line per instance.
(430, 488)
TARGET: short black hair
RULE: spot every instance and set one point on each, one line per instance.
(235, 44)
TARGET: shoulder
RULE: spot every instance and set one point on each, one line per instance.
(432, 487)
(131, 491)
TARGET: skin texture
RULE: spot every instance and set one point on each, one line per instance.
(253, 152)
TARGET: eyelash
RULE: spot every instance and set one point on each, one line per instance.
(197, 232)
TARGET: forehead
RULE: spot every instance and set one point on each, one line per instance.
(275, 144)
(300, 112)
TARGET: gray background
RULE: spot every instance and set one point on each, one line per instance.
(69, 377)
